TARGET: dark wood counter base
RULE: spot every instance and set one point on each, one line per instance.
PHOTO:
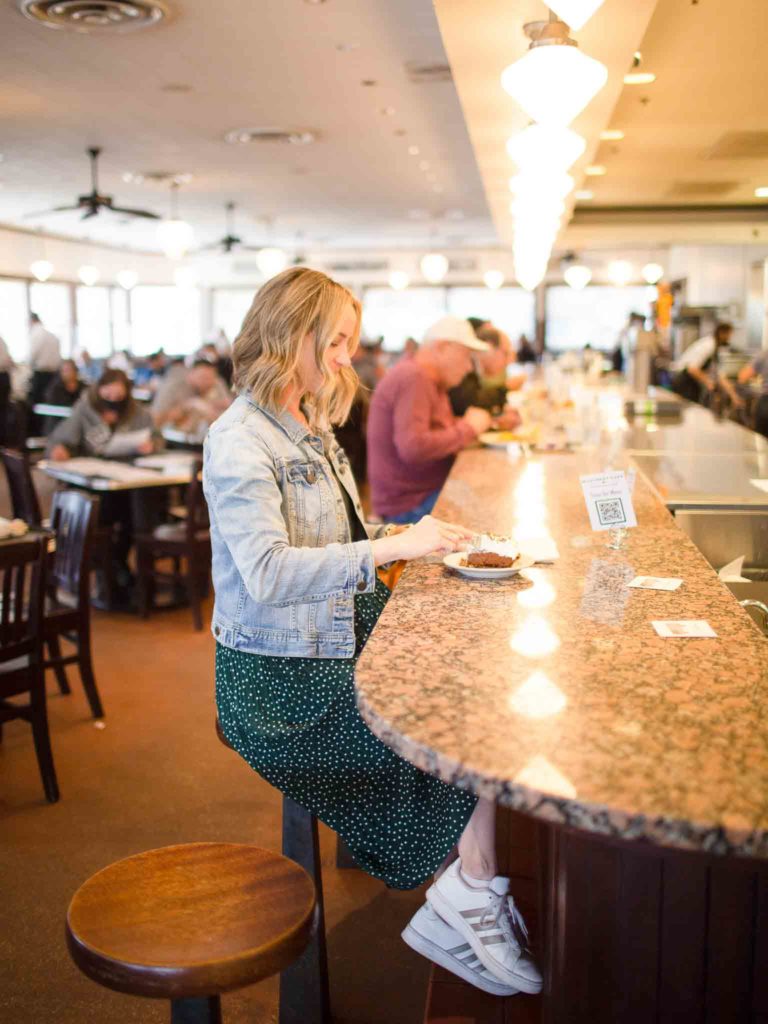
(626, 933)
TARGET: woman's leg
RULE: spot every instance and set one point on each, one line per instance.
(477, 844)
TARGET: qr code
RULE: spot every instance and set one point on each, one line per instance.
(610, 512)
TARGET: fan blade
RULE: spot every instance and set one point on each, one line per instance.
(92, 212)
(55, 209)
(135, 213)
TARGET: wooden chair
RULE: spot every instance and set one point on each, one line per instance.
(24, 501)
(304, 988)
(187, 923)
(189, 541)
(22, 591)
(67, 608)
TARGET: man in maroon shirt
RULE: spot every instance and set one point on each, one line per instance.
(413, 435)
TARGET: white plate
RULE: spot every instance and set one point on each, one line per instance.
(504, 438)
(454, 562)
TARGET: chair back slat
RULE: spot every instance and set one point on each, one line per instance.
(22, 572)
(197, 508)
(24, 500)
(73, 520)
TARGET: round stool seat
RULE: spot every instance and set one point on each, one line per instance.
(192, 920)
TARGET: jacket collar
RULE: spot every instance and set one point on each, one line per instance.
(288, 424)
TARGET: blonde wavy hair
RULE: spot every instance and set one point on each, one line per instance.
(267, 350)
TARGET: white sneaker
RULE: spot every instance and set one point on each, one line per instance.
(429, 935)
(491, 923)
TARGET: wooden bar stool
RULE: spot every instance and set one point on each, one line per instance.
(189, 922)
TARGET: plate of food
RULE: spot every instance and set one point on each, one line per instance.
(501, 438)
(489, 557)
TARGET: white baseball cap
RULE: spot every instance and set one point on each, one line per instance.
(455, 328)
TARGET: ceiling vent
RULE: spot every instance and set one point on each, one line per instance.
(157, 177)
(702, 189)
(422, 74)
(358, 266)
(245, 136)
(95, 15)
(740, 146)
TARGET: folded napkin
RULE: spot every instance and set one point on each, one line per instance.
(543, 549)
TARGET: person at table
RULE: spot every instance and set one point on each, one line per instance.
(100, 416)
(191, 398)
(697, 370)
(756, 371)
(526, 353)
(296, 598)
(6, 368)
(413, 434)
(487, 383)
(64, 390)
(44, 359)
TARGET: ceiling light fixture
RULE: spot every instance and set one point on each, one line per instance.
(595, 171)
(653, 273)
(399, 280)
(583, 195)
(639, 78)
(413, 151)
(554, 81)
(545, 146)
(271, 261)
(434, 267)
(577, 276)
(620, 272)
(612, 135)
(175, 236)
(493, 279)
(127, 279)
(41, 269)
(762, 192)
(95, 15)
(89, 275)
(575, 13)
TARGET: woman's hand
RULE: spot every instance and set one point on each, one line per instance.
(428, 537)
(59, 453)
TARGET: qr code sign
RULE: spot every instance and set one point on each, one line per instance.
(610, 512)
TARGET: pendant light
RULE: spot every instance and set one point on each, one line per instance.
(175, 236)
(89, 275)
(127, 279)
(546, 147)
(554, 81)
(577, 276)
(41, 270)
(399, 280)
(271, 261)
(653, 273)
(620, 272)
(533, 186)
(493, 279)
(575, 13)
(434, 267)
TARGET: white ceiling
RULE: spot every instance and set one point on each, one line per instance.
(274, 63)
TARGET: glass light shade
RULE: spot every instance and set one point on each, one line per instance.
(493, 279)
(530, 275)
(653, 273)
(639, 78)
(578, 276)
(542, 147)
(175, 237)
(620, 272)
(575, 13)
(399, 280)
(185, 277)
(761, 193)
(271, 261)
(553, 84)
(41, 269)
(532, 185)
(89, 275)
(434, 266)
(127, 279)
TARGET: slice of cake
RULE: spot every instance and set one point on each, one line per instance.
(489, 551)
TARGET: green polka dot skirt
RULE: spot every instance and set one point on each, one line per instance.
(295, 721)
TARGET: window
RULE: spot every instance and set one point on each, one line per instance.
(512, 310)
(166, 317)
(51, 302)
(94, 327)
(229, 308)
(594, 315)
(14, 321)
(121, 327)
(400, 315)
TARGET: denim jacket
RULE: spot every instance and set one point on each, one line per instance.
(285, 570)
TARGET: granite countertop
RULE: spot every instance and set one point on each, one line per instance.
(551, 692)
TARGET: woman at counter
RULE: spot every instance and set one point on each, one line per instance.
(297, 596)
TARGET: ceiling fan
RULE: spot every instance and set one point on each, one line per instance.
(93, 203)
(230, 240)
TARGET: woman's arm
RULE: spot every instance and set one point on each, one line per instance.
(69, 432)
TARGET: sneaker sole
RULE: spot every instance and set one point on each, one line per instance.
(452, 917)
(433, 952)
